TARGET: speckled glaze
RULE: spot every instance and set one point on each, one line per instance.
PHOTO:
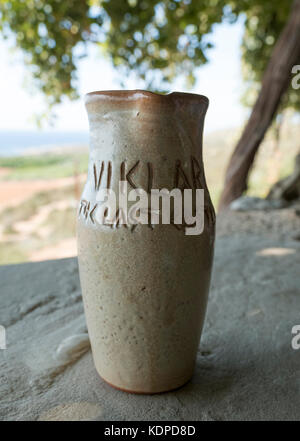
(144, 289)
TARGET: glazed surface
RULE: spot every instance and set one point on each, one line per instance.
(144, 288)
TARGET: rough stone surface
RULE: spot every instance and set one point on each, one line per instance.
(246, 367)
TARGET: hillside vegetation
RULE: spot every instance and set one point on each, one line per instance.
(39, 192)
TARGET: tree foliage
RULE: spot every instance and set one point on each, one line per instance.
(158, 39)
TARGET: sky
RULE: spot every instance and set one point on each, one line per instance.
(220, 80)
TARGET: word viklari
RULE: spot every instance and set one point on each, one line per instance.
(148, 206)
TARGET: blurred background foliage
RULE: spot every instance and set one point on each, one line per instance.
(158, 39)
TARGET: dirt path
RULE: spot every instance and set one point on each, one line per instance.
(34, 223)
(65, 248)
(14, 192)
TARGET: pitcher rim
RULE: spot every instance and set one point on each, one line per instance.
(137, 94)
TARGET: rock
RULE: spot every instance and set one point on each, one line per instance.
(287, 189)
(72, 348)
(247, 203)
(296, 235)
(246, 367)
(72, 412)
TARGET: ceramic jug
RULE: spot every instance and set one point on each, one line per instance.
(144, 286)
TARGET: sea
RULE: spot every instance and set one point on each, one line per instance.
(15, 143)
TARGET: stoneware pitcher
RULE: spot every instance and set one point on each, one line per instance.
(144, 286)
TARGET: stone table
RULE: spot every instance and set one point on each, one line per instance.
(246, 367)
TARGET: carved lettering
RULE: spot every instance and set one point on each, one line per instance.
(196, 173)
(131, 171)
(199, 182)
(92, 212)
(150, 176)
(181, 179)
(120, 216)
(122, 171)
(85, 209)
(98, 179)
(83, 203)
(109, 173)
